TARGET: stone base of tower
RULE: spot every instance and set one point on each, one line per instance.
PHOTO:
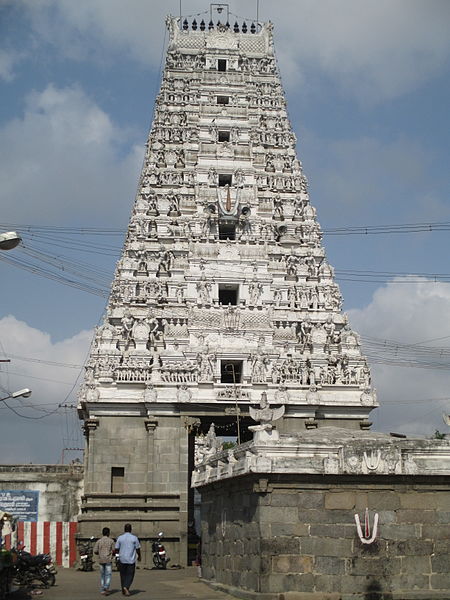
(288, 520)
(137, 472)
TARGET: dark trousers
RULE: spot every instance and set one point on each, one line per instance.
(126, 574)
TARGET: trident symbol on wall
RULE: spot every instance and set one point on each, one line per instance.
(366, 537)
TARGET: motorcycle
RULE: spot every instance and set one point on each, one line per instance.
(28, 568)
(86, 550)
(160, 558)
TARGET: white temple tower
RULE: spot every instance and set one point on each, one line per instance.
(223, 290)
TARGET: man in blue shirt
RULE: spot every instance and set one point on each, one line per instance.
(129, 549)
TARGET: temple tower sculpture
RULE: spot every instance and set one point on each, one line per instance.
(223, 291)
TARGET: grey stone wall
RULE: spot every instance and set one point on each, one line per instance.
(154, 456)
(294, 537)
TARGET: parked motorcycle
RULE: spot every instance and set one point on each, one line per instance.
(28, 568)
(160, 558)
(86, 550)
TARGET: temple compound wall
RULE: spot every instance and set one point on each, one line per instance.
(45, 500)
(56, 490)
(279, 522)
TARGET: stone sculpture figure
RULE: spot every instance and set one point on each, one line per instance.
(259, 367)
(213, 179)
(277, 297)
(165, 258)
(265, 431)
(205, 365)
(278, 207)
(150, 394)
(179, 294)
(153, 334)
(234, 135)
(245, 226)
(306, 328)
(291, 264)
(282, 395)
(312, 396)
(204, 291)
(238, 178)
(174, 204)
(127, 328)
(184, 394)
(329, 328)
(255, 291)
(214, 133)
(211, 445)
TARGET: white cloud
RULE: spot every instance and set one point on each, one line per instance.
(39, 440)
(63, 158)
(412, 400)
(373, 50)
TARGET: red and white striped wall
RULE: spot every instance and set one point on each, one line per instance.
(55, 537)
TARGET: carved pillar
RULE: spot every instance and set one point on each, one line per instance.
(90, 426)
(151, 423)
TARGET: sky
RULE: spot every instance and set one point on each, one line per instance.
(367, 85)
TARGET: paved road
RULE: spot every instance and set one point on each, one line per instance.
(173, 584)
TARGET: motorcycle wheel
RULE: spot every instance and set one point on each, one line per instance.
(48, 579)
(156, 561)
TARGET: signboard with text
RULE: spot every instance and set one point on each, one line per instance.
(22, 504)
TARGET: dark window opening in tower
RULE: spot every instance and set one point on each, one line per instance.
(223, 99)
(224, 136)
(228, 294)
(117, 480)
(224, 180)
(221, 64)
(227, 231)
(231, 371)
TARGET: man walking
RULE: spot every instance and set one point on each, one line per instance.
(104, 547)
(129, 549)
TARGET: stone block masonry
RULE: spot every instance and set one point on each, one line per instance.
(293, 536)
(290, 555)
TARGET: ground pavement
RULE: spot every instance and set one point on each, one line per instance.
(172, 584)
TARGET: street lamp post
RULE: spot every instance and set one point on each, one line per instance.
(9, 240)
(25, 393)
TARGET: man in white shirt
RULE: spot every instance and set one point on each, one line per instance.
(128, 548)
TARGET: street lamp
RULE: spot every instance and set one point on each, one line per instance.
(25, 393)
(9, 240)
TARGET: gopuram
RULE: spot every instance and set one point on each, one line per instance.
(224, 317)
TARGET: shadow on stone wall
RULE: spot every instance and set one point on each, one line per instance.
(374, 592)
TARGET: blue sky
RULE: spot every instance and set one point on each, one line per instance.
(367, 85)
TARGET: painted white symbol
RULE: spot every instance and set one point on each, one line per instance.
(367, 537)
(223, 523)
(372, 461)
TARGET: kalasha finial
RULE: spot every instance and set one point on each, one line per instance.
(221, 11)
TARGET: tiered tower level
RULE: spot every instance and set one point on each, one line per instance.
(223, 291)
